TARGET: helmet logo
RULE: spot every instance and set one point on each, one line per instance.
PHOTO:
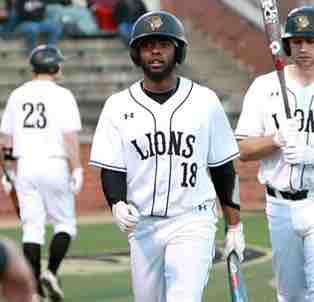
(155, 23)
(302, 23)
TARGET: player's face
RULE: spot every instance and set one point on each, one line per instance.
(302, 51)
(157, 57)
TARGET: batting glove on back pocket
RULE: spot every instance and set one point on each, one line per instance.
(77, 179)
(234, 241)
(126, 216)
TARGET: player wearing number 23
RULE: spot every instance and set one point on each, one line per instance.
(165, 147)
(40, 124)
(285, 148)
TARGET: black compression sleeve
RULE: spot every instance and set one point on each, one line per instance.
(4, 258)
(223, 178)
(113, 185)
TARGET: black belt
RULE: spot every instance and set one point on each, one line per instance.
(298, 195)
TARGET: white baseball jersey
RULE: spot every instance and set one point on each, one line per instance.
(165, 149)
(36, 116)
(262, 114)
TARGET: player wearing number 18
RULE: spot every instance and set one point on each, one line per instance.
(155, 144)
(40, 125)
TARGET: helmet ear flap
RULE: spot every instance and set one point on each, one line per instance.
(135, 56)
(286, 47)
(180, 53)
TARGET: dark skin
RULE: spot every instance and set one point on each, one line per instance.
(158, 62)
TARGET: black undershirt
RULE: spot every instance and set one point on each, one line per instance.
(163, 96)
(223, 178)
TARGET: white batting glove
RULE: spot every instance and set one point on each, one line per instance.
(7, 181)
(288, 132)
(77, 179)
(299, 155)
(126, 216)
(234, 241)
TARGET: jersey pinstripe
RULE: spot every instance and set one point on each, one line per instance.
(164, 149)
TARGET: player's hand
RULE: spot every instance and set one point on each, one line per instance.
(287, 133)
(126, 216)
(299, 155)
(7, 181)
(234, 241)
(77, 179)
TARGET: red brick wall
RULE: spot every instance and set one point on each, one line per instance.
(251, 192)
(243, 40)
(91, 198)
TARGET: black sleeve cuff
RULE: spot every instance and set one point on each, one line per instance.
(223, 178)
(113, 185)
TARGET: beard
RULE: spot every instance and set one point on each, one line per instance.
(160, 75)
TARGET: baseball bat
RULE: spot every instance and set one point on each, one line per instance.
(236, 280)
(237, 285)
(273, 33)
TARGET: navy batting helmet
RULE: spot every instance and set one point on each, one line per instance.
(300, 23)
(46, 59)
(158, 24)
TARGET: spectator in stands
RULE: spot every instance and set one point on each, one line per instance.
(103, 12)
(125, 13)
(76, 19)
(12, 19)
(34, 22)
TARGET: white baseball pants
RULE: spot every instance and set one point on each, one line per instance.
(291, 227)
(171, 257)
(43, 189)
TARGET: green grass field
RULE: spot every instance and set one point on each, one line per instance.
(88, 281)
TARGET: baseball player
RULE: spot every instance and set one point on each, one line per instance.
(155, 144)
(16, 278)
(286, 151)
(41, 123)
